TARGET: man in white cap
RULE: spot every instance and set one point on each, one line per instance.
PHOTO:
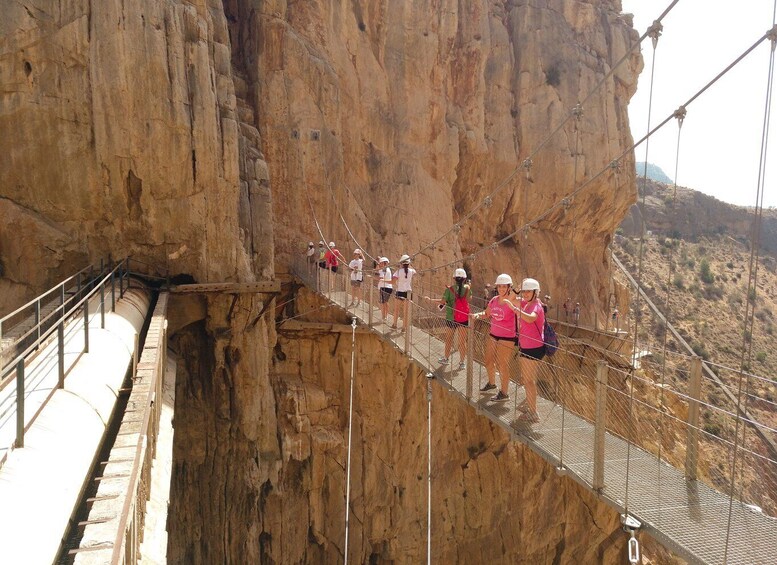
(385, 287)
(356, 266)
(310, 258)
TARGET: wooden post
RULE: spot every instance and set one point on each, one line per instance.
(600, 424)
(470, 354)
(692, 436)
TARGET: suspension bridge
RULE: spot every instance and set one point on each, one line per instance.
(590, 407)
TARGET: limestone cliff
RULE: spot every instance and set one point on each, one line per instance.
(196, 135)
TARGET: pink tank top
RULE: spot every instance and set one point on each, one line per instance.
(531, 334)
(502, 318)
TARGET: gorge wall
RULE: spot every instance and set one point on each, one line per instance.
(199, 135)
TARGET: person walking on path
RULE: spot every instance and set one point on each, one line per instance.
(531, 339)
(356, 266)
(499, 348)
(333, 259)
(311, 257)
(385, 287)
(576, 314)
(403, 278)
(455, 300)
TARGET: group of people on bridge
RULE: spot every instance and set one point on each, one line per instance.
(516, 316)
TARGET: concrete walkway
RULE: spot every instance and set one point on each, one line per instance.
(41, 483)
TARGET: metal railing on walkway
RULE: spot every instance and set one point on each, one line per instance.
(54, 317)
(669, 453)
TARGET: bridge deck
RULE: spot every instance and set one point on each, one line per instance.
(687, 516)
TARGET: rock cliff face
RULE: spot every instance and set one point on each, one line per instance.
(197, 135)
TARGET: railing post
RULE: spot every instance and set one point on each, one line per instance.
(78, 284)
(86, 326)
(37, 319)
(369, 304)
(470, 354)
(692, 437)
(408, 322)
(113, 292)
(122, 274)
(135, 354)
(61, 352)
(20, 403)
(102, 306)
(600, 424)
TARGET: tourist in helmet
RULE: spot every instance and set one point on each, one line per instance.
(499, 348)
(455, 301)
(383, 274)
(531, 339)
(403, 291)
(356, 266)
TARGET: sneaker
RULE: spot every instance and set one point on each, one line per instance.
(500, 397)
(463, 365)
(529, 417)
(443, 360)
(487, 387)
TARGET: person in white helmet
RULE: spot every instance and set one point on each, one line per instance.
(311, 257)
(531, 339)
(499, 348)
(403, 288)
(356, 266)
(383, 274)
(455, 300)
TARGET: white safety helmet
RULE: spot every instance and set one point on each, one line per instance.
(357, 251)
(530, 284)
(383, 260)
(404, 259)
(460, 273)
(504, 279)
(321, 243)
(331, 244)
(311, 244)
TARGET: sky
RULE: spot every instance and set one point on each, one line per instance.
(721, 134)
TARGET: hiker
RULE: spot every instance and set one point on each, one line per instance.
(403, 288)
(310, 258)
(356, 267)
(531, 340)
(499, 348)
(576, 314)
(455, 300)
(383, 274)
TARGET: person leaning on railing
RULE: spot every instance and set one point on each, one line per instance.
(499, 348)
(455, 301)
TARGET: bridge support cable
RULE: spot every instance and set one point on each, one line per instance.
(429, 472)
(655, 33)
(350, 428)
(680, 115)
(747, 344)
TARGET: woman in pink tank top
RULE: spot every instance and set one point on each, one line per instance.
(500, 311)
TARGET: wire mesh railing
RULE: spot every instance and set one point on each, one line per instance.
(647, 443)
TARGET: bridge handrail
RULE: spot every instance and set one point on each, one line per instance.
(102, 285)
(58, 286)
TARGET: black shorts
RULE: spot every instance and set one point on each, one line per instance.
(322, 264)
(385, 294)
(453, 324)
(333, 268)
(535, 353)
(402, 294)
(498, 338)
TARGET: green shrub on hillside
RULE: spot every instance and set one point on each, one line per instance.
(705, 272)
(761, 357)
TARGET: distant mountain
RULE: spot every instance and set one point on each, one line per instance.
(654, 172)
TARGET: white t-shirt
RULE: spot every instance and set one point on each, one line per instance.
(311, 251)
(356, 269)
(403, 279)
(385, 278)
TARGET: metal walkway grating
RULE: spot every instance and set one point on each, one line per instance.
(688, 517)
